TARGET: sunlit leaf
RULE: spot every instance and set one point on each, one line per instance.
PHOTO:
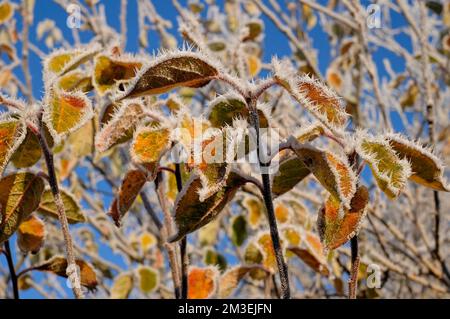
(58, 266)
(6, 11)
(122, 286)
(202, 282)
(12, 134)
(28, 153)
(65, 112)
(20, 194)
(316, 97)
(75, 80)
(223, 109)
(73, 211)
(132, 184)
(114, 73)
(121, 125)
(291, 171)
(333, 172)
(337, 225)
(238, 230)
(172, 70)
(62, 61)
(82, 140)
(390, 172)
(31, 234)
(426, 168)
(311, 253)
(190, 213)
(148, 279)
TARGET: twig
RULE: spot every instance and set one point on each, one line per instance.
(353, 282)
(12, 271)
(183, 242)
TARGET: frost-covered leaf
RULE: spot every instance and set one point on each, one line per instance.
(148, 279)
(31, 234)
(81, 142)
(190, 213)
(230, 280)
(202, 282)
(122, 286)
(253, 256)
(75, 80)
(62, 61)
(147, 241)
(121, 125)
(12, 134)
(264, 243)
(58, 265)
(172, 70)
(112, 73)
(311, 253)
(291, 171)
(132, 184)
(426, 168)
(309, 133)
(6, 11)
(213, 258)
(337, 225)
(316, 97)
(390, 172)
(333, 172)
(223, 109)
(282, 213)
(65, 112)
(20, 194)
(73, 211)
(254, 29)
(238, 230)
(149, 145)
(28, 153)
(255, 211)
(207, 235)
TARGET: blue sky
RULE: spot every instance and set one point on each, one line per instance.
(275, 44)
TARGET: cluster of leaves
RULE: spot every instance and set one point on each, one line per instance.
(135, 112)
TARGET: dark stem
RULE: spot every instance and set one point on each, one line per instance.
(183, 243)
(353, 282)
(267, 195)
(12, 271)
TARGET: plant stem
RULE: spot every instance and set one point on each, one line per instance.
(267, 195)
(12, 271)
(72, 269)
(183, 243)
(353, 282)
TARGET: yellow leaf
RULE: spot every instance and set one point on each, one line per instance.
(149, 144)
(122, 286)
(256, 210)
(426, 168)
(75, 80)
(28, 153)
(390, 172)
(282, 213)
(6, 11)
(148, 279)
(253, 65)
(12, 134)
(202, 282)
(147, 241)
(31, 234)
(66, 112)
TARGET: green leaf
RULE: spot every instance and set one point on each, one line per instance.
(238, 230)
(132, 184)
(73, 211)
(19, 196)
(28, 153)
(213, 258)
(148, 279)
(190, 213)
(122, 286)
(170, 71)
(223, 109)
(337, 225)
(12, 134)
(58, 266)
(390, 172)
(291, 171)
(426, 168)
